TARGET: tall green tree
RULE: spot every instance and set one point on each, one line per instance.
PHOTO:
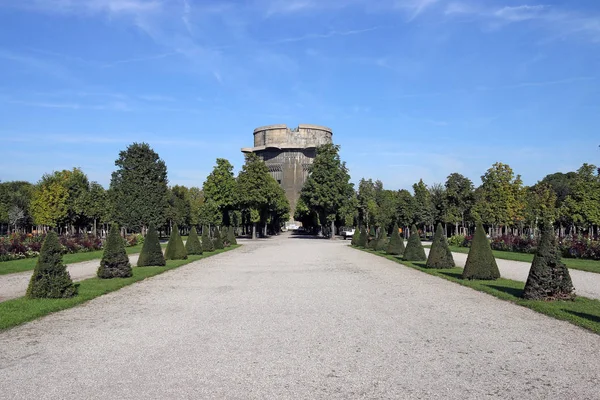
(254, 186)
(405, 208)
(221, 188)
(500, 200)
(460, 198)
(138, 187)
(367, 203)
(179, 211)
(583, 203)
(49, 202)
(423, 207)
(15, 201)
(328, 186)
(196, 199)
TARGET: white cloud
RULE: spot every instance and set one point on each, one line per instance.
(521, 13)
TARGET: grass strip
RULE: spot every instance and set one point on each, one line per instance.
(28, 264)
(582, 311)
(572, 263)
(21, 310)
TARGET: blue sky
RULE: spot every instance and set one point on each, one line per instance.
(412, 88)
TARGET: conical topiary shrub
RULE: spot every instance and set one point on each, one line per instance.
(382, 241)
(355, 238)
(363, 238)
(549, 278)
(225, 236)
(193, 245)
(231, 236)
(50, 277)
(396, 245)
(440, 255)
(372, 239)
(175, 248)
(151, 254)
(207, 243)
(414, 249)
(481, 263)
(217, 241)
(115, 262)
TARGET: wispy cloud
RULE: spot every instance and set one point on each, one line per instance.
(93, 6)
(113, 106)
(560, 21)
(326, 35)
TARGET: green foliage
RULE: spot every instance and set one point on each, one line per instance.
(210, 214)
(328, 186)
(414, 249)
(225, 236)
(193, 245)
(405, 207)
(423, 206)
(50, 277)
(456, 240)
(372, 239)
(175, 249)
(481, 263)
(382, 241)
(231, 236)
(217, 241)
(221, 188)
(396, 244)
(549, 278)
(151, 254)
(207, 243)
(179, 209)
(138, 188)
(459, 197)
(355, 238)
(440, 255)
(364, 238)
(49, 203)
(115, 262)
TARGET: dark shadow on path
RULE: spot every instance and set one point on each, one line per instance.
(512, 291)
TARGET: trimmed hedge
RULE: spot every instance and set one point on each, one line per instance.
(193, 245)
(396, 244)
(440, 256)
(50, 277)
(207, 243)
(175, 248)
(151, 254)
(414, 248)
(549, 278)
(481, 263)
(115, 261)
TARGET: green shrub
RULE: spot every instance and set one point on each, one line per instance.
(414, 249)
(193, 245)
(151, 254)
(355, 238)
(396, 244)
(363, 238)
(207, 243)
(549, 278)
(115, 261)
(225, 236)
(372, 239)
(456, 240)
(231, 236)
(50, 277)
(440, 255)
(481, 263)
(175, 248)
(217, 241)
(382, 241)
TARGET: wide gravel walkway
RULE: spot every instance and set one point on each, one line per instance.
(15, 285)
(298, 319)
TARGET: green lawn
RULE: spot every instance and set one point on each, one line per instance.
(21, 310)
(582, 311)
(28, 264)
(574, 263)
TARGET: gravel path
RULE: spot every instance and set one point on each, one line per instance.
(586, 283)
(15, 285)
(298, 319)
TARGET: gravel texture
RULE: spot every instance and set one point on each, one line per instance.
(290, 318)
(15, 285)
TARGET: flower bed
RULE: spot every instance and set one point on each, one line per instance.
(20, 245)
(578, 247)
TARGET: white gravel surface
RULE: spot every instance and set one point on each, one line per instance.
(298, 319)
(15, 285)
(586, 284)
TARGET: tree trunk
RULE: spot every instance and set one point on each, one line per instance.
(254, 231)
(332, 230)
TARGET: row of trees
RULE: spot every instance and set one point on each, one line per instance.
(501, 202)
(139, 195)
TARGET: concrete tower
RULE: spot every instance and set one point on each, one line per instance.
(288, 153)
